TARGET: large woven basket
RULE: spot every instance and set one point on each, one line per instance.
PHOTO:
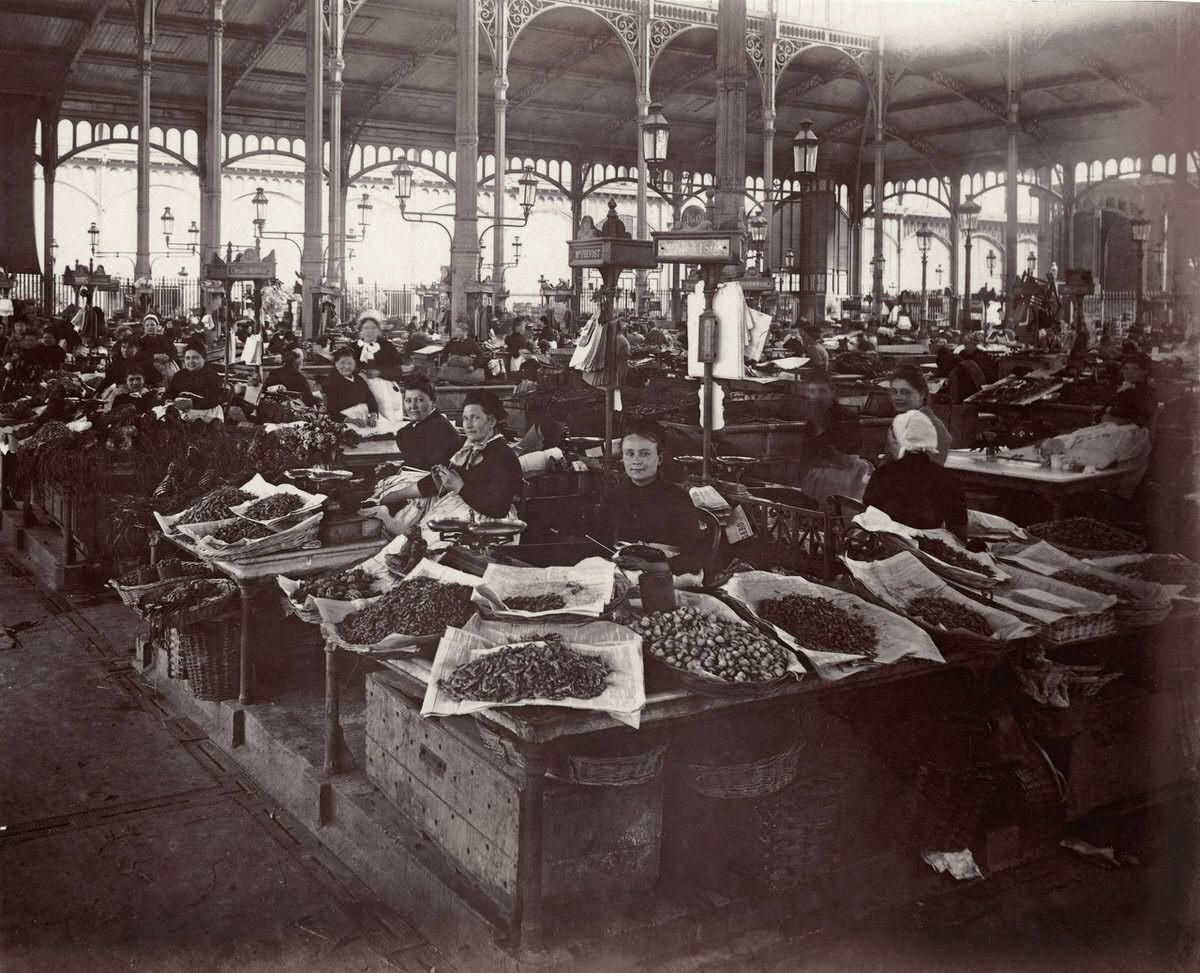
(755, 779)
(210, 657)
(171, 568)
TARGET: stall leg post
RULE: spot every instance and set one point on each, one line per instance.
(333, 712)
(69, 531)
(244, 688)
(531, 827)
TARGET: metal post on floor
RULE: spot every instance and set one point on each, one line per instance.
(244, 669)
(531, 835)
(333, 712)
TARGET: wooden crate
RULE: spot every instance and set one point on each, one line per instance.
(598, 841)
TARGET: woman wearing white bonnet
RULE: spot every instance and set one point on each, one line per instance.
(913, 489)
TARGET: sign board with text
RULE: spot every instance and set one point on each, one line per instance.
(611, 252)
(699, 247)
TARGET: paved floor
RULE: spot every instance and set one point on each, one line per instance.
(128, 841)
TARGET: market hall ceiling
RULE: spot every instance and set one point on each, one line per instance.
(1098, 80)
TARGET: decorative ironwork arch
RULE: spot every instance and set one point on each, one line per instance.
(542, 177)
(520, 13)
(242, 156)
(869, 210)
(415, 163)
(177, 156)
(787, 49)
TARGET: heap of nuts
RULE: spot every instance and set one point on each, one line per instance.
(702, 643)
(1092, 582)
(947, 614)
(1086, 534)
(819, 624)
(418, 606)
(952, 555)
(275, 506)
(1164, 569)
(239, 530)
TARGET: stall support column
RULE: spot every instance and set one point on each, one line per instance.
(314, 176)
(576, 196)
(333, 712)
(877, 192)
(210, 187)
(768, 206)
(711, 280)
(337, 188)
(531, 833)
(245, 694)
(952, 319)
(68, 529)
(1011, 271)
(499, 159)
(146, 45)
(464, 250)
(49, 170)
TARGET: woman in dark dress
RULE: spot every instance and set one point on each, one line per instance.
(196, 381)
(429, 439)
(913, 489)
(376, 356)
(345, 388)
(289, 377)
(485, 473)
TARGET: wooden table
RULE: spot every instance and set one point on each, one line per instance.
(975, 469)
(256, 570)
(537, 733)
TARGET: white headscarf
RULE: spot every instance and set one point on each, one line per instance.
(914, 433)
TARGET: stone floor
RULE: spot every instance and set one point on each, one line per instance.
(128, 841)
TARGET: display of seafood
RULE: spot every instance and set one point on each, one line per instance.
(944, 613)
(418, 606)
(239, 530)
(273, 507)
(952, 555)
(342, 586)
(695, 640)
(1082, 579)
(1164, 569)
(819, 624)
(1086, 534)
(214, 506)
(535, 603)
(542, 668)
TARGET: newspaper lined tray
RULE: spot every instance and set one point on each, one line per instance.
(1174, 591)
(587, 588)
(619, 647)
(875, 520)
(334, 612)
(901, 578)
(291, 539)
(260, 488)
(897, 637)
(382, 581)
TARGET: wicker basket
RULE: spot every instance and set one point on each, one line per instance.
(131, 591)
(1080, 628)
(172, 567)
(176, 664)
(592, 771)
(755, 779)
(945, 806)
(1128, 619)
(210, 657)
(225, 592)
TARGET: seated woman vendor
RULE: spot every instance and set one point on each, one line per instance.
(428, 440)
(376, 356)
(345, 390)
(482, 479)
(913, 489)
(644, 508)
(196, 381)
(136, 394)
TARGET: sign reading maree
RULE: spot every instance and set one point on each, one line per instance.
(701, 247)
(610, 252)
